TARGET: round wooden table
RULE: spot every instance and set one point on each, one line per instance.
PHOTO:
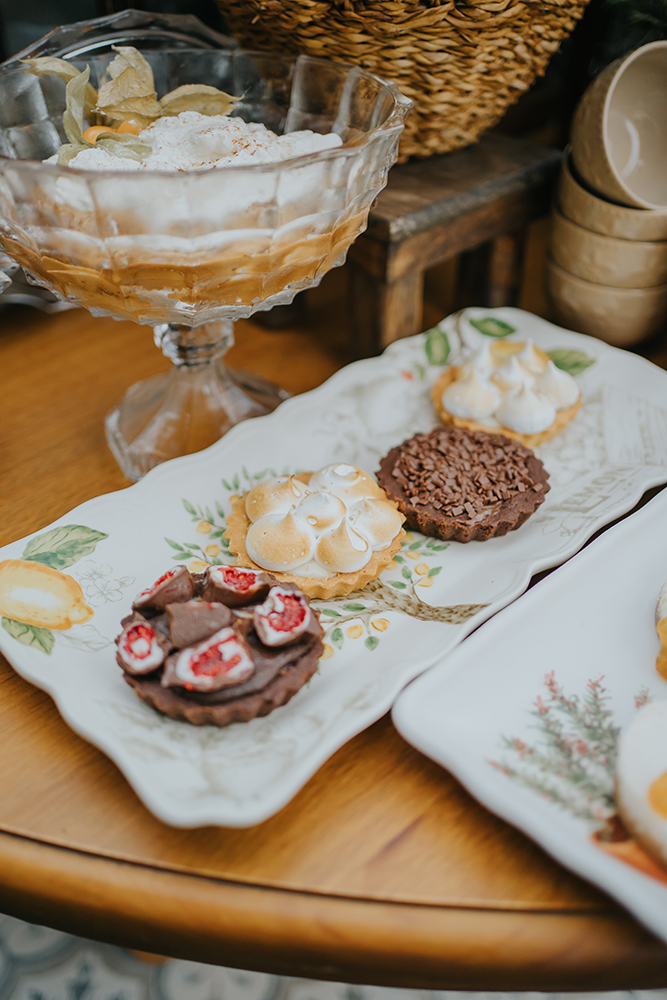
(382, 870)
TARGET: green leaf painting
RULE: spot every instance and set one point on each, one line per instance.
(490, 326)
(571, 361)
(337, 637)
(437, 346)
(30, 635)
(62, 547)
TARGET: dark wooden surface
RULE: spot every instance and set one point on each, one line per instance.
(422, 194)
(476, 201)
(382, 869)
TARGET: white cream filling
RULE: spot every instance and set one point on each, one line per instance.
(192, 141)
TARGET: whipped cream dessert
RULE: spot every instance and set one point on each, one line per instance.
(331, 524)
(524, 394)
(192, 141)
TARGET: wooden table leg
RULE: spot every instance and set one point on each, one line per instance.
(380, 311)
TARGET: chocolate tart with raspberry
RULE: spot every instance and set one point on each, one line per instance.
(464, 484)
(223, 646)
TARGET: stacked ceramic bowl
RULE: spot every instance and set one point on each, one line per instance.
(607, 273)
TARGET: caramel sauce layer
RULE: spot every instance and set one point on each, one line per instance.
(145, 290)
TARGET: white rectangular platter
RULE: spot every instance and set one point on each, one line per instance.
(378, 639)
(526, 713)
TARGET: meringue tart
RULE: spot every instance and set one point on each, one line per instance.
(329, 532)
(511, 388)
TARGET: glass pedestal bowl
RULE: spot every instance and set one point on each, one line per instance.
(190, 252)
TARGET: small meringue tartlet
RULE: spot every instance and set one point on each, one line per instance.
(330, 532)
(509, 388)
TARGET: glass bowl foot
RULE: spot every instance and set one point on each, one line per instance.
(184, 410)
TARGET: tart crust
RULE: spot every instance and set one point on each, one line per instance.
(563, 417)
(322, 588)
(279, 691)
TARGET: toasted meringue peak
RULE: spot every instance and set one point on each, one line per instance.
(471, 397)
(345, 481)
(526, 412)
(331, 525)
(530, 359)
(378, 521)
(557, 386)
(512, 375)
(279, 543)
(343, 550)
(273, 495)
(321, 511)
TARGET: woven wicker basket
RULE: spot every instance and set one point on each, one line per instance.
(462, 63)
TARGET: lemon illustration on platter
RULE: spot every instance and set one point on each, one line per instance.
(37, 595)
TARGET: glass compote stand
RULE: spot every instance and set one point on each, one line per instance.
(190, 252)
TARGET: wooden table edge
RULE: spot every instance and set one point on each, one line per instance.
(322, 936)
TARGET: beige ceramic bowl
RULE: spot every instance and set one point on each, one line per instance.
(619, 131)
(605, 259)
(580, 205)
(621, 316)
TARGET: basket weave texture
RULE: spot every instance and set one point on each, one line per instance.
(461, 63)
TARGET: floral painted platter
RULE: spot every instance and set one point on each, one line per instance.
(527, 712)
(77, 578)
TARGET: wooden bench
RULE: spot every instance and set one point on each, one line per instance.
(475, 202)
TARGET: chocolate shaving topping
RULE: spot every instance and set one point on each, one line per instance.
(463, 485)
(459, 471)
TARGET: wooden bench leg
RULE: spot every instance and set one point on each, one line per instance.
(490, 275)
(381, 313)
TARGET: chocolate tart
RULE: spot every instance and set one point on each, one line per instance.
(463, 484)
(184, 625)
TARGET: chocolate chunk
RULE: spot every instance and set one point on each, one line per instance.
(235, 586)
(192, 621)
(175, 585)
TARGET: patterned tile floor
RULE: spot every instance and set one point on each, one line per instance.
(38, 963)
